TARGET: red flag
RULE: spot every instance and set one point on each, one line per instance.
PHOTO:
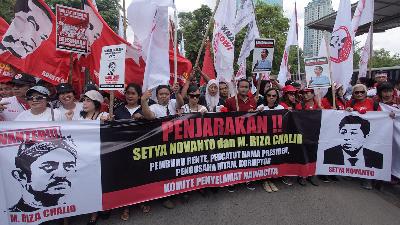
(3, 26)
(29, 43)
(6, 71)
(208, 65)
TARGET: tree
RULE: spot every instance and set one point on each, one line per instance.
(381, 58)
(109, 9)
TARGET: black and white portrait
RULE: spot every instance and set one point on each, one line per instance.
(31, 26)
(352, 150)
(43, 169)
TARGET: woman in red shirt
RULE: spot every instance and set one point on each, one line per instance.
(289, 97)
(308, 102)
(359, 101)
(327, 101)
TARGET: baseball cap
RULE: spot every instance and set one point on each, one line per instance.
(289, 88)
(64, 88)
(23, 79)
(94, 96)
(307, 90)
(381, 73)
(40, 89)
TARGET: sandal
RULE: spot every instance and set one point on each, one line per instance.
(145, 208)
(125, 214)
(266, 187)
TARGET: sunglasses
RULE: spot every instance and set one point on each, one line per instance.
(359, 92)
(291, 93)
(272, 96)
(194, 96)
(36, 98)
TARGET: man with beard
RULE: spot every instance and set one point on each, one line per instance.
(351, 152)
(43, 170)
(31, 26)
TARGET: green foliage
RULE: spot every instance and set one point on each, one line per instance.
(381, 58)
(7, 9)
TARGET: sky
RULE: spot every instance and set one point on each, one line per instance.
(387, 40)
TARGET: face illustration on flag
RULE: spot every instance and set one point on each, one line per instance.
(95, 26)
(340, 44)
(32, 25)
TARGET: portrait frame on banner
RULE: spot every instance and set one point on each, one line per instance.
(71, 26)
(317, 72)
(263, 55)
(112, 68)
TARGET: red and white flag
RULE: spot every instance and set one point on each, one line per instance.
(292, 39)
(341, 46)
(29, 44)
(224, 39)
(245, 14)
(364, 14)
(365, 56)
(208, 65)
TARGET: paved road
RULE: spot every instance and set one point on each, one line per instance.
(342, 203)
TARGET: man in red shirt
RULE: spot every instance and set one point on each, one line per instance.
(308, 102)
(245, 103)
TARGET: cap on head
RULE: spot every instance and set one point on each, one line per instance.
(39, 89)
(94, 96)
(23, 79)
(64, 88)
(289, 88)
(307, 90)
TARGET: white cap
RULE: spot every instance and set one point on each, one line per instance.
(94, 96)
(40, 89)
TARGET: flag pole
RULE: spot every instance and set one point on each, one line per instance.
(124, 14)
(206, 35)
(328, 52)
(175, 45)
(298, 46)
(371, 49)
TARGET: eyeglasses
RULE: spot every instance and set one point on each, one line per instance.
(36, 98)
(291, 93)
(359, 92)
(272, 96)
(194, 96)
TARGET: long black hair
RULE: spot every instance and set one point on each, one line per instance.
(97, 107)
(329, 96)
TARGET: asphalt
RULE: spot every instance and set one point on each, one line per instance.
(339, 203)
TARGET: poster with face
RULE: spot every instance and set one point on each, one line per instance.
(112, 67)
(31, 26)
(71, 29)
(263, 55)
(317, 72)
(49, 172)
(355, 145)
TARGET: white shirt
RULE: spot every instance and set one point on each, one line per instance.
(200, 108)
(265, 108)
(161, 111)
(13, 109)
(77, 110)
(44, 116)
(371, 92)
(360, 156)
(133, 110)
(97, 118)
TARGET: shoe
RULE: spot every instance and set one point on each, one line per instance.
(168, 204)
(250, 186)
(92, 221)
(312, 181)
(230, 188)
(301, 181)
(333, 178)
(324, 179)
(266, 187)
(287, 181)
(125, 214)
(367, 184)
(273, 186)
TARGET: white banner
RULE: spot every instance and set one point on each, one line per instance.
(49, 172)
(245, 14)
(355, 145)
(263, 55)
(112, 68)
(248, 43)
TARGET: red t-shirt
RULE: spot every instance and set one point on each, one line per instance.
(327, 105)
(367, 105)
(307, 106)
(286, 106)
(244, 106)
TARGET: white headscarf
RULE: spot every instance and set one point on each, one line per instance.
(212, 101)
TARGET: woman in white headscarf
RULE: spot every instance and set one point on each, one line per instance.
(212, 95)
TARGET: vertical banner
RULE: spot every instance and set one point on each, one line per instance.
(355, 145)
(71, 29)
(396, 146)
(317, 72)
(112, 67)
(263, 55)
(49, 171)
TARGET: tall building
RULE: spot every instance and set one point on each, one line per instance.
(272, 2)
(315, 10)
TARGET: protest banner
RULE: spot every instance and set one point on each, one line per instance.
(112, 67)
(82, 167)
(6, 72)
(317, 72)
(263, 55)
(355, 145)
(49, 171)
(71, 25)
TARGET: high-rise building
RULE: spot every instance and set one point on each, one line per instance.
(274, 2)
(315, 10)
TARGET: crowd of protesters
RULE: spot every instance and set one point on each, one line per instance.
(25, 99)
